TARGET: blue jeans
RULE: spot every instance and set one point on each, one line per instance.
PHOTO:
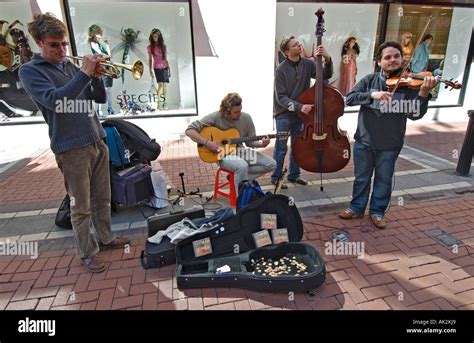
(366, 160)
(281, 147)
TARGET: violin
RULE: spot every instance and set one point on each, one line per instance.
(415, 80)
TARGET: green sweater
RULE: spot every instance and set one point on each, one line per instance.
(244, 125)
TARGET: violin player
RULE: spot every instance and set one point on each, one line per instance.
(292, 78)
(380, 132)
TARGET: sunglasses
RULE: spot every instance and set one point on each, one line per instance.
(56, 45)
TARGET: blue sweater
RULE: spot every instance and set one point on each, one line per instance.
(64, 94)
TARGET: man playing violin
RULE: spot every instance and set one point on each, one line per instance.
(381, 131)
(75, 132)
(292, 78)
(247, 164)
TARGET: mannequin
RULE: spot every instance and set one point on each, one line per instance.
(349, 53)
(422, 53)
(99, 45)
(407, 47)
(157, 62)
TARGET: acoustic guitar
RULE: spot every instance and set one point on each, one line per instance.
(228, 139)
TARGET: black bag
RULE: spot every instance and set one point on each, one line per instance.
(63, 216)
(141, 147)
(201, 258)
(163, 254)
(249, 191)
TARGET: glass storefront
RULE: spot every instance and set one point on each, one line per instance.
(156, 33)
(120, 29)
(353, 32)
(16, 48)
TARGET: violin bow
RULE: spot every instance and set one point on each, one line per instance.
(411, 57)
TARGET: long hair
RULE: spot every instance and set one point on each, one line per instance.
(229, 101)
(160, 43)
(410, 43)
(345, 46)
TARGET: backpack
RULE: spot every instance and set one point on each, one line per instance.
(117, 155)
(141, 147)
(249, 191)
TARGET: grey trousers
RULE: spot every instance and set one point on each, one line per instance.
(248, 164)
(87, 181)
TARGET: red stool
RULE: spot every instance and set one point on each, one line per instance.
(218, 186)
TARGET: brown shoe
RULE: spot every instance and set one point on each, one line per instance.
(94, 264)
(379, 222)
(349, 214)
(117, 242)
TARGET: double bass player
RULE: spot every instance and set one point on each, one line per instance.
(292, 78)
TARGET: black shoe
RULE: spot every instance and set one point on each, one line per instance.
(283, 185)
(299, 181)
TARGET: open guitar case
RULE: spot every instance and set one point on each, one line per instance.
(233, 247)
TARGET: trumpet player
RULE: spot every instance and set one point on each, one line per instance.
(76, 134)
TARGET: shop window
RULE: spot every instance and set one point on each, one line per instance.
(444, 45)
(343, 22)
(124, 31)
(16, 48)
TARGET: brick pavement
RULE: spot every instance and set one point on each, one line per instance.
(402, 269)
(41, 181)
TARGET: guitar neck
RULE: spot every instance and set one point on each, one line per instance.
(250, 139)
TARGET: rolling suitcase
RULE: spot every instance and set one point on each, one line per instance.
(132, 185)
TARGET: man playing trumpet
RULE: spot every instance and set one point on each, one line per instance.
(75, 132)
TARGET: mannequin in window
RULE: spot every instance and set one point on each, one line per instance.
(349, 53)
(157, 62)
(99, 45)
(407, 47)
(422, 53)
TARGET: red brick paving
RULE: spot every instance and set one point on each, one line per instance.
(423, 276)
(41, 181)
(403, 268)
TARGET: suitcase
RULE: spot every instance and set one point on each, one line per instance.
(231, 257)
(132, 185)
(163, 254)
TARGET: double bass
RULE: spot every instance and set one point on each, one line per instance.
(321, 147)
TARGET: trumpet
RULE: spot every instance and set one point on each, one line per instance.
(136, 68)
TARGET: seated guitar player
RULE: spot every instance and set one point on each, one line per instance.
(247, 164)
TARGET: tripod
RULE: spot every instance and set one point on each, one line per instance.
(183, 194)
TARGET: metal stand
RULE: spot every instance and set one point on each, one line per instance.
(467, 151)
(183, 194)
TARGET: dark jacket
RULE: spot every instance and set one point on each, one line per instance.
(383, 128)
(291, 80)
